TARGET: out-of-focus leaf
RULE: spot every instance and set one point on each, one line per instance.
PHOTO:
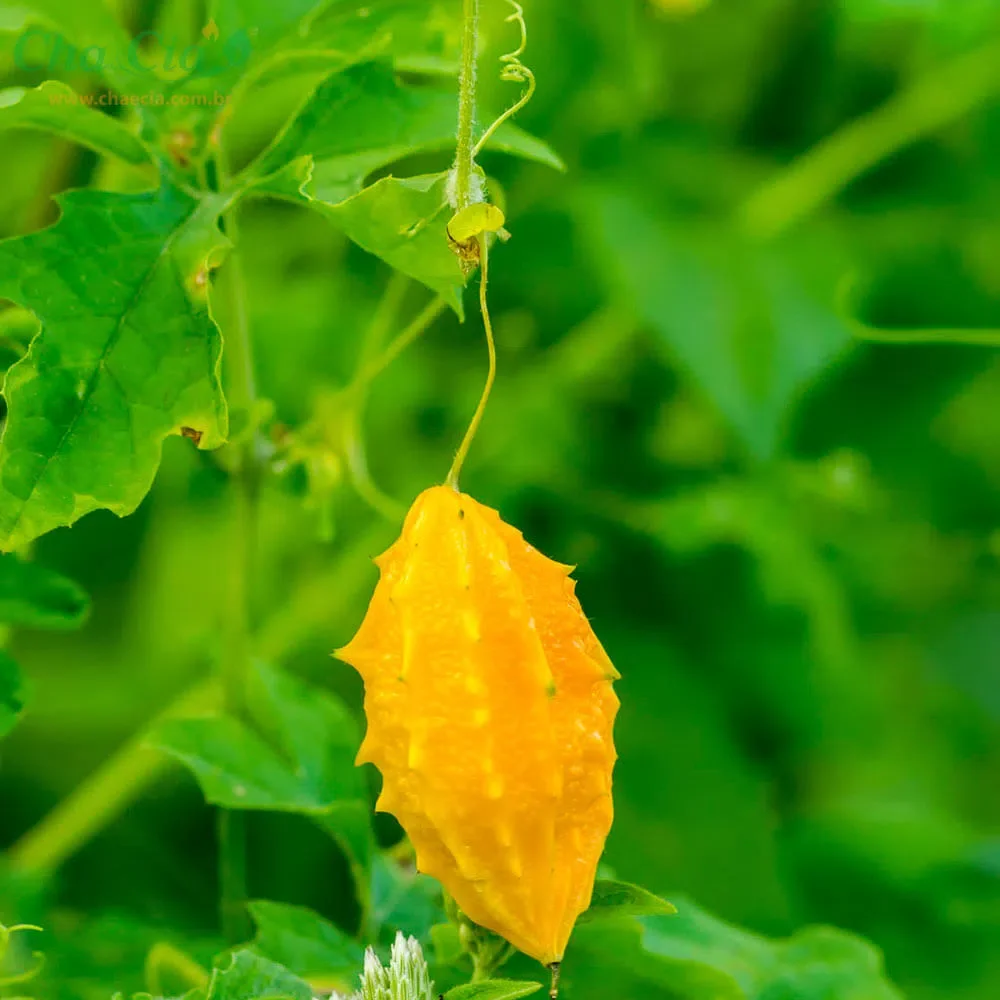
(963, 18)
(704, 813)
(252, 977)
(447, 942)
(497, 989)
(236, 768)
(608, 959)
(127, 355)
(402, 899)
(32, 596)
(309, 727)
(363, 119)
(817, 963)
(422, 36)
(11, 694)
(306, 944)
(753, 326)
(121, 951)
(622, 899)
(99, 39)
(260, 43)
(247, 49)
(55, 107)
(316, 731)
(299, 758)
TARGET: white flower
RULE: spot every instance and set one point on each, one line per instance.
(406, 978)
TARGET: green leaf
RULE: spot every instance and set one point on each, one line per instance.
(404, 222)
(447, 942)
(234, 766)
(496, 989)
(127, 355)
(55, 107)
(91, 28)
(262, 43)
(252, 977)
(754, 326)
(11, 694)
(299, 758)
(621, 899)
(309, 727)
(363, 119)
(306, 944)
(714, 807)
(32, 596)
(318, 733)
(403, 899)
(608, 959)
(817, 963)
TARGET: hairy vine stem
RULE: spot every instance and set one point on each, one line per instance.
(465, 156)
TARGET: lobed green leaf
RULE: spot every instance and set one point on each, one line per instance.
(127, 354)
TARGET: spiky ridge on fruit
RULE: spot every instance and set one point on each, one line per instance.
(490, 713)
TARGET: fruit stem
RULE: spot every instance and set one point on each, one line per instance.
(477, 417)
(555, 968)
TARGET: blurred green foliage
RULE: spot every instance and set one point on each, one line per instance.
(787, 538)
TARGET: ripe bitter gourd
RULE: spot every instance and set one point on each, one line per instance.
(490, 712)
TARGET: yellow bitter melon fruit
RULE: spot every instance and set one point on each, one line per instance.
(490, 712)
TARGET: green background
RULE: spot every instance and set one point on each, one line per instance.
(786, 537)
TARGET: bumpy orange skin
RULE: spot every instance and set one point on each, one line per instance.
(490, 713)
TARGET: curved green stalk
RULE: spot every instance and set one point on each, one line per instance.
(104, 795)
(820, 174)
(370, 370)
